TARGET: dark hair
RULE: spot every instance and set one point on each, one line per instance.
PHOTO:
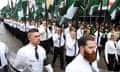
(33, 30)
(83, 40)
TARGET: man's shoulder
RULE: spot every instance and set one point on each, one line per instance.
(2, 44)
(23, 48)
(75, 63)
(41, 48)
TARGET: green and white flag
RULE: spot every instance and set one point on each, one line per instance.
(91, 5)
(20, 14)
(64, 7)
(71, 12)
(114, 8)
(105, 4)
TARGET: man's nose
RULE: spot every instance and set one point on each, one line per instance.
(94, 49)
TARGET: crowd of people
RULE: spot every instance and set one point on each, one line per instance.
(78, 45)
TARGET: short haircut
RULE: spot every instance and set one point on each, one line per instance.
(113, 35)
(83, 40)
(33, 30)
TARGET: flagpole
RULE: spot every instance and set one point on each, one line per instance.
(84, 12)
(100, 15)
(11, 7)
(45, 10)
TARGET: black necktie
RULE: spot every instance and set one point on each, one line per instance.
(115, 44)
(0, 62)
(59, 41)
(46, 33)
(93, 70)
(36, 53)
(75, 48)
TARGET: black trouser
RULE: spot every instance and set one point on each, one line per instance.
(59, 51)
(69, 59)
(112, 61)
(4, 69)
(117, 65)
(46, 45)
(100, 50)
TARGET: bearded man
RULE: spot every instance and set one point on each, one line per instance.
(86, 60)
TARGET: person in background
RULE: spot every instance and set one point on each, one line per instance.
(71, 46)
(111, 52)
(58, 41)
(117, 66)
(46, 35)
(80, 31)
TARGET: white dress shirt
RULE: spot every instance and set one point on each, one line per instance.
(26, 56)
(80, 33)
(43, 33)
(66, 32)
(80, 64)
(100, 35)
(53, 29)
(3, 51)
(14, 24)
(22, 27)
(109, 35)
(110, 48)
(57, 42)
(118, 48)
(70, 46)
(32, 26)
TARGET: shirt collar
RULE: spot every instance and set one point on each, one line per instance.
(31, 45)
(83, 59)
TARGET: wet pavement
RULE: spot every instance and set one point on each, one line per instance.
(10, 40)
(14, 44)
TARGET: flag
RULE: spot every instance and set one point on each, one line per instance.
(17, 8)
(20, 14)
(105, 4)
(5, 10)
(114, 8)
(91, 5)
(49, 3)
(64, 7)
(71, 12)
(111, 2)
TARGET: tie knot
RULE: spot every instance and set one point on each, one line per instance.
(36, 47)
(90, 63)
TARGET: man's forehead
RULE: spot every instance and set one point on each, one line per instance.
(34, 33)
(90, 42)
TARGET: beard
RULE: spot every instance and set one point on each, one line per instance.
(90, 57)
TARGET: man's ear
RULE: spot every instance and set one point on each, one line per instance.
(81, 49)
(28, 36)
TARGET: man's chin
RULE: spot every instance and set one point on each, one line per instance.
(90, 59)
